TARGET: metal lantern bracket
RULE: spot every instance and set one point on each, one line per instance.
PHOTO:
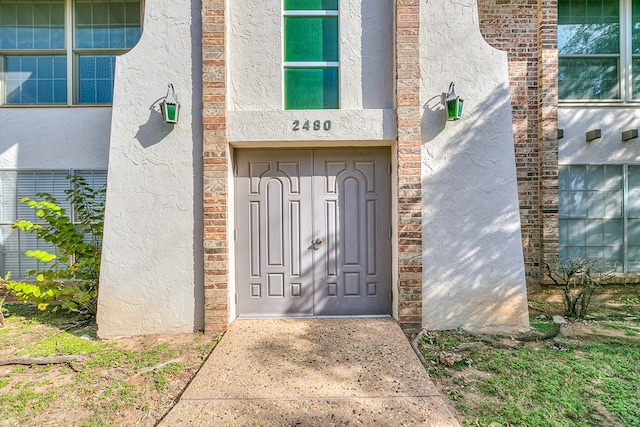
(170, 107)
(453, 103)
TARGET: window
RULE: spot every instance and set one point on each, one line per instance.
(14, 185)
(599, 50)
(311, 64)
(599, 214)
(63, 51)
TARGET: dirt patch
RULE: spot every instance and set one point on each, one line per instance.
(129, 381)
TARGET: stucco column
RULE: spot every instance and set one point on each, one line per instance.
(149, 280)
(473, 260)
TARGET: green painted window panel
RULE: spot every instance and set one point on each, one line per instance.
(588, 78)
(311, 88)
(311, 38)
(310, 4)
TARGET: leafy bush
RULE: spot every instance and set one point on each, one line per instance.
(580, 278)
(71, 275)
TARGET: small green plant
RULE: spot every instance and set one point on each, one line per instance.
(71, 275)
(580, 278)
(3, 296)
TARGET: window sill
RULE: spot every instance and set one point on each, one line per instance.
(599, 104)
(55, 106)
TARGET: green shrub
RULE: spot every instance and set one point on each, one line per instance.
(71, 275)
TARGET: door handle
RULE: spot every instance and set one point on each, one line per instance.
(318, 241)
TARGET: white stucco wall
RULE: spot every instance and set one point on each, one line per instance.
(151, 267)
(612, 121)
(54, 137)
(256, 75)
(473, 267)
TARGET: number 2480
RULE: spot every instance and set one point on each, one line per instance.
(308, 125)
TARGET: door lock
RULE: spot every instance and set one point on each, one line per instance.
(318, 241)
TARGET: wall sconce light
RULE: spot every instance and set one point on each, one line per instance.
(170, 107)
(453, 104)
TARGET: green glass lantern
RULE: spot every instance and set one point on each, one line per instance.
(453, 104)
(170, 107)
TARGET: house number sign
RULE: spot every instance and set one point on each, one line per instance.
(311, 125)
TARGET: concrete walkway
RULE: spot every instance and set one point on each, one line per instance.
(312, 372)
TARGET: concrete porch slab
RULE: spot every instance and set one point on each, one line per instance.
(312, 372)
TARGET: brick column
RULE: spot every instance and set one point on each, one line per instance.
(409, 164)
(526, 30)
(548, 129)
(215, 161)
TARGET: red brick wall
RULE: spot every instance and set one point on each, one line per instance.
(526, 30)
(409, 164)
(215, 159)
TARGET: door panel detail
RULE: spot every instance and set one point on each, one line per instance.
(256, 290)
(276, 285)
(254, 241)
(295, 237)
(275, 223)
(312, 234)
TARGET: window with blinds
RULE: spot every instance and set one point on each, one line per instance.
(17, 184)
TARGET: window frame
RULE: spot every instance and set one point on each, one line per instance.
(72, 56)
(308, 64)
(625, 217)
(625, 60)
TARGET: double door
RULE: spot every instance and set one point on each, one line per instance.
(313, 232)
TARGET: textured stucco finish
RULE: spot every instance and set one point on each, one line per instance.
(573, 148)
(54, 138)
(255, 55)
(152, 244)
(346, 125)
(473, 263)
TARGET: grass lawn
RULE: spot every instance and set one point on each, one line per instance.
(112, 385)
(588, 375)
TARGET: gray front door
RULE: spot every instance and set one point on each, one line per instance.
(313, 233)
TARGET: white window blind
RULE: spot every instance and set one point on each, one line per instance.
(14, 185)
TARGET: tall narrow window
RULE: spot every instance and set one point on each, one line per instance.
(311, 54)
(45, 59)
